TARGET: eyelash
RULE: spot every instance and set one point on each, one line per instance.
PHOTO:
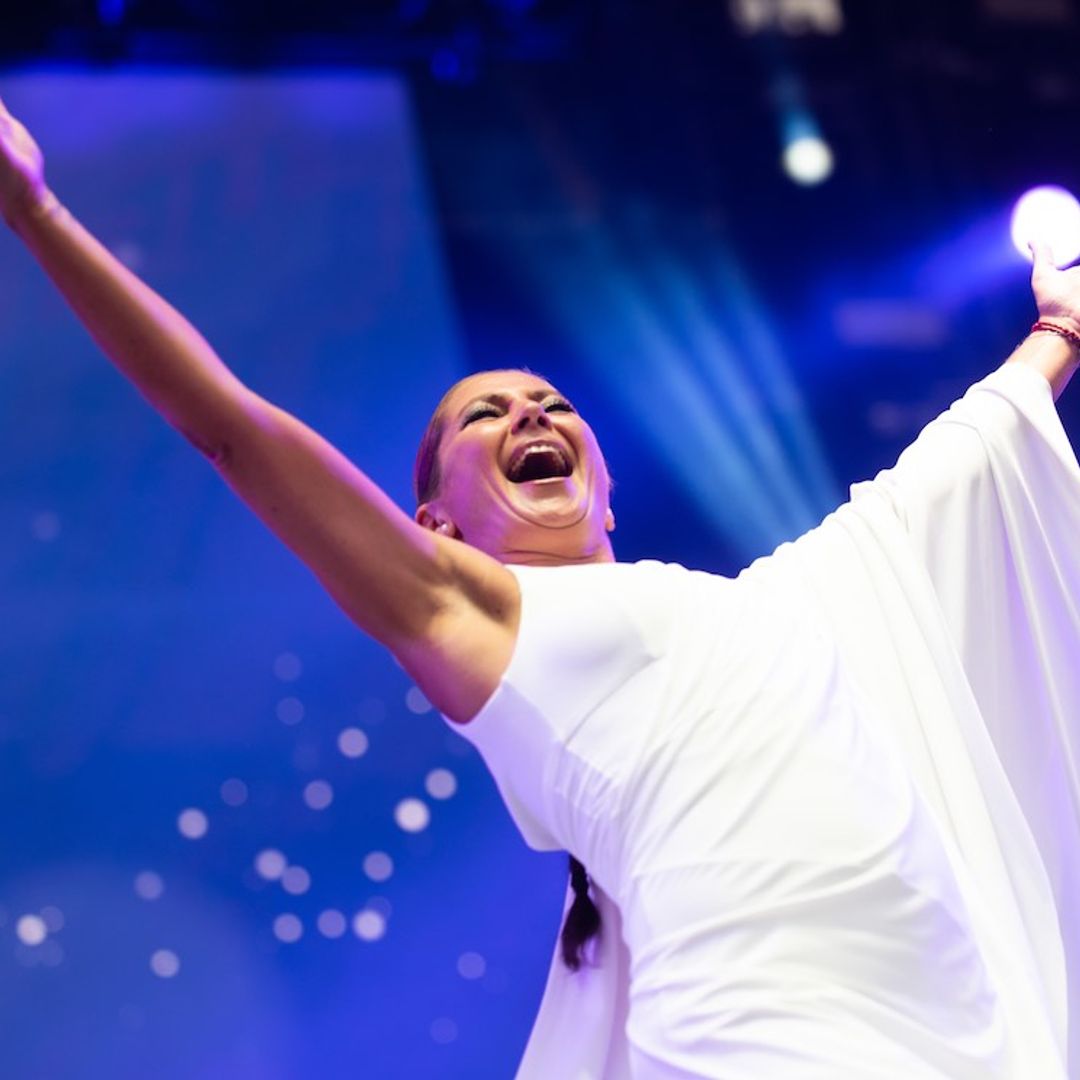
(479, 411)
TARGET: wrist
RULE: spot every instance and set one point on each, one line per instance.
(1053, 350)
(34, 208)
(1063, 325)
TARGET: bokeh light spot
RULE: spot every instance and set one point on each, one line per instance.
(270, 864)
(318, 794)
(378, 865)
(353, 742)
(290, 710)
(148, 885)
(440, 783)
(369, 925)
(415, 701)
(127, 251)
(444, 1030)
(295, 880)
(31, 929)
(412, 815)
(234, 792)
(288, 928)
(287, 667)
(45, 526)
(164, 963)
(53, 918)
(331, 923)
(192, 823)
(471, 965)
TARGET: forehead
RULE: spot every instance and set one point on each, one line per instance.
(509, 383)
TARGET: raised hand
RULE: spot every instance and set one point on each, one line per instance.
(1057, 292)
(22, 171)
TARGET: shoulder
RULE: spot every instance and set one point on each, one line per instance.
(559, 618)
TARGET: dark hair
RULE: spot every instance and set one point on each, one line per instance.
(583, 919)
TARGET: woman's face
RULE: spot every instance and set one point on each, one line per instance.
(522, 476)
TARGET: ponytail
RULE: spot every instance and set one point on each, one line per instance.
(582, 920)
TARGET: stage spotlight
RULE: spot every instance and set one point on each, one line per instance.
(808, 160)
(111, 12)
(1051, 215)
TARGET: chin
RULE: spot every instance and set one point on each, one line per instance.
(553, 504)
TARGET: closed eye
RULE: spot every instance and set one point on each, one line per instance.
(477, 412)
(484, 409)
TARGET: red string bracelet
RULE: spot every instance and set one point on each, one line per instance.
(1053, 328)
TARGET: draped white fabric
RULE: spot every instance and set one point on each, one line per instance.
(952, 585)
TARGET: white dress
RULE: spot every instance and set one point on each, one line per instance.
(832, 806)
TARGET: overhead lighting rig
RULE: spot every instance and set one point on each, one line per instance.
(795, 18)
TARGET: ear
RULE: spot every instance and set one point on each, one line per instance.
(428, 517)
(609, 520)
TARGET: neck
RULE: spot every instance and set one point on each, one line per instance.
(601, 553)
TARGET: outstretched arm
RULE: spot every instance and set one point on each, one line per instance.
(1004, 424)
(447, 611)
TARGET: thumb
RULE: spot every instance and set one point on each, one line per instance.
(1042, 254)
(1043, 264)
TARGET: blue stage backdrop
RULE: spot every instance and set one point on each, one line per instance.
(237, 841)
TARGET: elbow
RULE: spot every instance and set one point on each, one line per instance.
(232, 422)
(217, 451)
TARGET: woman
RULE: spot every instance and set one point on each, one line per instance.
(828, 808)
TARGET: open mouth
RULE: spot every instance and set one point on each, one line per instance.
(538, 461)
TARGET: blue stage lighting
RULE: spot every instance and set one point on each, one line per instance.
(111, 12)
(691, 362)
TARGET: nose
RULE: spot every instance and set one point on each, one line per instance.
(528, 414)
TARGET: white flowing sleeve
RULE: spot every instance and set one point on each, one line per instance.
(952, 582)
(989, 495)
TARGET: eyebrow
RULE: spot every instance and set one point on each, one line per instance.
(498, 398)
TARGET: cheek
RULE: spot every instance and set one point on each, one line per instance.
(467, 473)
(596, 458)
